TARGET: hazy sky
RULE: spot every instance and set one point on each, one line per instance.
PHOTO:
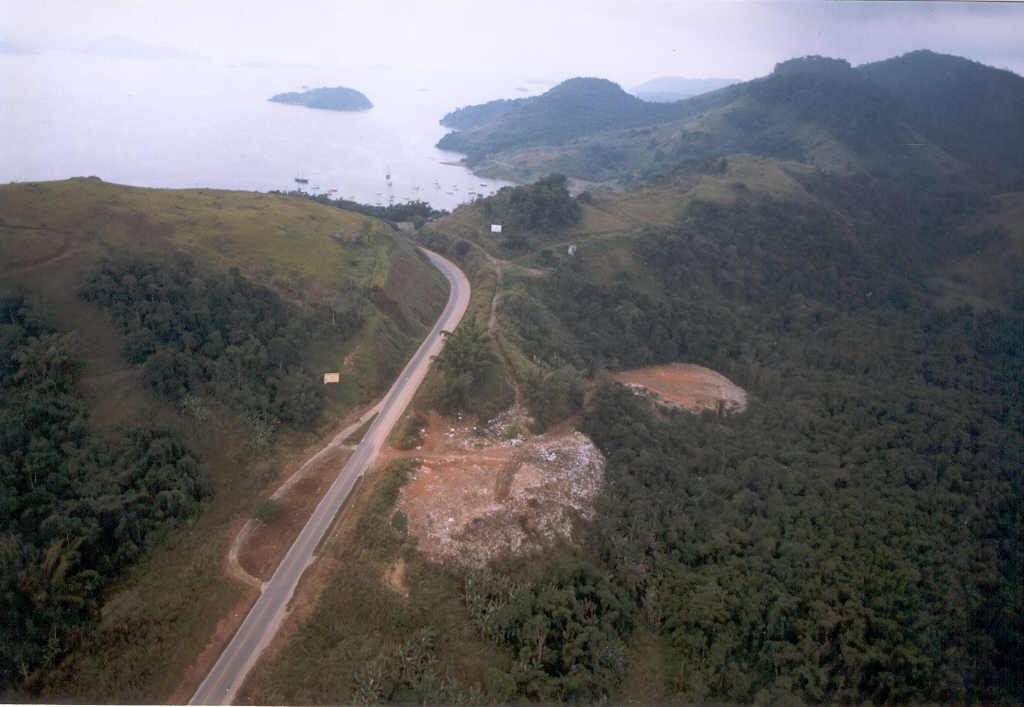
(628, 42)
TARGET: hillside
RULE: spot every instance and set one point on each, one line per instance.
(337, 98)
(973, 111)
(853, 534)
(814, 110)
(191, 329)
(573, 108)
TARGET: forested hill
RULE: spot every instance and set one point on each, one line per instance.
(919, 113)
(856, 535)
(337, 98)
(579, 106)
(975, 112)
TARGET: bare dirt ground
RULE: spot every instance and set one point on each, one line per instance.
(686, 385)
(264, 547)
(481, 492)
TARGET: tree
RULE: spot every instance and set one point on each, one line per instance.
(464, 362)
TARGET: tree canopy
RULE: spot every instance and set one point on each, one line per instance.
(75, 509)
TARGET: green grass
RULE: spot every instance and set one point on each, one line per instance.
(276, 237)
(357, 436)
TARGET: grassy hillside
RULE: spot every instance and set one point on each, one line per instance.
(923, 113)
(203, 280)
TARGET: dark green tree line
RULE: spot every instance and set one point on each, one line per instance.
(218, 335)
(75, 510)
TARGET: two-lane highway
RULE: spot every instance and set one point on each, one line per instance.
(263, 620)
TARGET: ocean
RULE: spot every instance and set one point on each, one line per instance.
(183, 122)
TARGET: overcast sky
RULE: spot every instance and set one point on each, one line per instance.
(628, 42)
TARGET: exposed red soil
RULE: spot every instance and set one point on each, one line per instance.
(687, 385)
(484, 491)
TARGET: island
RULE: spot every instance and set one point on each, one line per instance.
(337, 98)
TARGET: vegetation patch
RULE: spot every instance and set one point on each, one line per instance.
(218, 336)
(471, 379)
(564, 630)
(77, 510)
(544, 205)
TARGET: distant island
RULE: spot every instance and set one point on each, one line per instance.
(337, 98)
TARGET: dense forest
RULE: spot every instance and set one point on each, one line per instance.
(573, 108)
(224, 337)
(544, 205)
(75, 508)
(855, 536)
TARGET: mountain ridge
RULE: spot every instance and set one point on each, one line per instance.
(886, 116)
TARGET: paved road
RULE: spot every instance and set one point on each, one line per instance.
(222, 683)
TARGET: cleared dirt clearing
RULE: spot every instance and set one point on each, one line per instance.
(688, 386)
(477, 495)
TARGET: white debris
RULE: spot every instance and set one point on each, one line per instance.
(492, 508)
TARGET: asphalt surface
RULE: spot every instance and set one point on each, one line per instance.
(264, 618)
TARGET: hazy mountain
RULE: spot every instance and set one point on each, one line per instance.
(573, 108)
(666, 89)
(973, 111)
(921, 113)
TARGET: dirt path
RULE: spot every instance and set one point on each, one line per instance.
(499, 277)
(59, 252)
(235, 568)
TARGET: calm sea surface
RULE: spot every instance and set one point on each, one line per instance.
(199, 123)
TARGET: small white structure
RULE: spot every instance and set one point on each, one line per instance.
(495, 228)
(332, 378)
(572, 249)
